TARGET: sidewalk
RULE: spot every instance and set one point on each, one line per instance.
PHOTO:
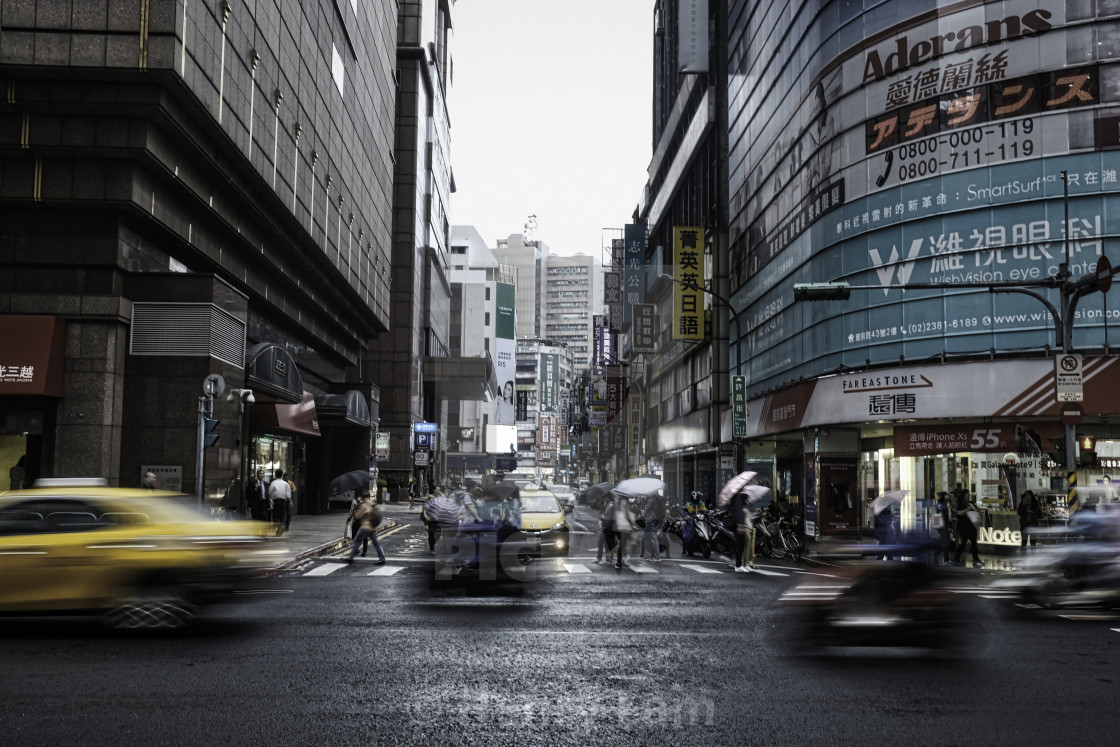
(821, 550)
(310, 536)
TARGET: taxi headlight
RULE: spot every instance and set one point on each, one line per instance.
(561, 526)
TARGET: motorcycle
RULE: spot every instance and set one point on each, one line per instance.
(1083, 571)
(721, 539)
(896, 604)
(693, 534)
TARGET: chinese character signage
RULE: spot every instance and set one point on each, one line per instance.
(634, 270)
(692, 45)
(550, 379)
(645, 328)
(612, 288)
(614, 397)
(950, 439)
(688, 271)
(738, 407)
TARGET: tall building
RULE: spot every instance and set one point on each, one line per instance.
(922, 155)
(572, 295)
(420, 379)
(684, 392)
(478, 286)
(527, 256)
(194, 191)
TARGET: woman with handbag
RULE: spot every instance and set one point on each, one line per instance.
(968, 519)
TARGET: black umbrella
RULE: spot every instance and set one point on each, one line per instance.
(594, 494)
(503, 490)
(353, 480)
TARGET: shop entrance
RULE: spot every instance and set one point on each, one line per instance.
(272, 453)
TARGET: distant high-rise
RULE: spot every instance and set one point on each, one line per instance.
(571, 296)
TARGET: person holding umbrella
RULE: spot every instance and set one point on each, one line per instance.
(368, 517)
(743, 527)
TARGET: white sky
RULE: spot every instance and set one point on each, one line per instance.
(550, 115)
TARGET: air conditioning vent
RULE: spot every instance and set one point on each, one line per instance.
(187, 329)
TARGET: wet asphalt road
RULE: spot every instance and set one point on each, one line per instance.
(678, 656)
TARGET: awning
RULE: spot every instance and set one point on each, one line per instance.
(32, 349)
(300, 418)
(462, 379)
(272, 374)
(350, 408)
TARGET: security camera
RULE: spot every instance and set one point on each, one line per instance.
(250, 399)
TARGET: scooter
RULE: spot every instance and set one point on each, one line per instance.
(694, 533)
(720, 538)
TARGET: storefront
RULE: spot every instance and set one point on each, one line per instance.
(31, 372)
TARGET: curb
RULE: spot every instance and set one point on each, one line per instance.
(325, 549)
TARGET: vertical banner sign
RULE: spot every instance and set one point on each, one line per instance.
(634, 268)
(505, 343)
(599, 322)
(616, 318)
(618, 253)
(614, 398)
(692, 26)
(688, 268)
(565, 406)
(739, 407)
(606, 348)
(612, 288)
(635, 423)
(645, 328)
(549, 382)
(522, 404)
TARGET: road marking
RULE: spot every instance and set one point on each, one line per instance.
(385, 570)
(767, 573)
(998, 596)
(324, 570)
(576, 568)
(699, 568)
(393, 531)
(642, 569)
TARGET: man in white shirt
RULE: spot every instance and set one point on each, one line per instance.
(280, 493)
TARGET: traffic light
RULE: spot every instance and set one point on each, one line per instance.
(821, 292)
(208, 435)
(1057, 453)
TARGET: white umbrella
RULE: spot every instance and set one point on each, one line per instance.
(884, 501)
(638, 487)
(734, 485)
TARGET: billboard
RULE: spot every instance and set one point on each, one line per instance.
(505, 343)
(501, 439)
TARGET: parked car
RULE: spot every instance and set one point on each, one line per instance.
(139, 558)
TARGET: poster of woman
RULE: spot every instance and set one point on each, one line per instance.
(504, 407)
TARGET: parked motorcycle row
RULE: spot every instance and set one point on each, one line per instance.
(704, 531)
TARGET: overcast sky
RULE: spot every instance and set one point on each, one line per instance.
(550, 115)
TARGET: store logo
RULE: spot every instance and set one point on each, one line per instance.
(886, 270)
(908, 53)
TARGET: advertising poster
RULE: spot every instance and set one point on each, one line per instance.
(838, 508)
(505, 362)
(550, 382)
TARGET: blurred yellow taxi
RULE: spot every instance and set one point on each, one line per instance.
(542, 517)
(142, 558)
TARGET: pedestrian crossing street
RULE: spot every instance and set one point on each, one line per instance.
(331, 566)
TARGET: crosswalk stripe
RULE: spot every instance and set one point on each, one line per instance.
(385, 570)
(765, 572)
(576, 568)
(324, 570)
(699, 568)
(642, 569)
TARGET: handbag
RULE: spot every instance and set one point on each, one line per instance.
(974, 517)
(938, 521)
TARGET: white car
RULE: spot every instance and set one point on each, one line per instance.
(565, 495)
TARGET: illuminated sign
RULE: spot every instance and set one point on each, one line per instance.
(688, 271)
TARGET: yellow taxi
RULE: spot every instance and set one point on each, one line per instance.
(542, 517)
(141, 558)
